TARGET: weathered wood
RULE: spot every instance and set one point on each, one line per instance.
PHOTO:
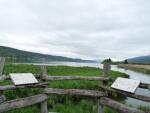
(144, 85)
(51, 78)
(23, 102)
(147, 110)
(106, 68)
(43, 72)
(100, 107)
(44, 107)
(2, 99)
(121, 108)
(73, 92)
(2, 62)
(136, 96)
(13, 87)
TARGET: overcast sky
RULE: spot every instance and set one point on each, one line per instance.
(88, 29)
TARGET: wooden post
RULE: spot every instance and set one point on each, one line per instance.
(44, 107)
(2, 99)
(2, 62)
(100, 107)
(43, 72)
(106, 68)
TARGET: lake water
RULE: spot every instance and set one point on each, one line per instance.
(145, 78)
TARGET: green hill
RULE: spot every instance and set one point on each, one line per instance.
(140, 60)
(15, 55)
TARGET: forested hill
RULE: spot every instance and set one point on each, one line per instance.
(140, 60)
(15, 55)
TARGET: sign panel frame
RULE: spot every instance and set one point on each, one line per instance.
(125, 84)
(23, 78)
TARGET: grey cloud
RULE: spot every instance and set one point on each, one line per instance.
(81, 28)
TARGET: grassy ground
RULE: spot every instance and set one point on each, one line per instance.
(136, 67)
(62, 104)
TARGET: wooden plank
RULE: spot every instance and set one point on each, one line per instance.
(125, 84)
(23, 78)
(2, 99)
(44, 107)
(145, 86)
(13, 87)
(23, 102)
(73, 92)
(52, 78)
(106, 69)
(43, 72)
(100, 107)
(2, 62)
(136, 96)
(121, 108)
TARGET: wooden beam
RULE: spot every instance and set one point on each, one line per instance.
(121, 108)
(73, 92)
(13, 87)
(144, 85)
(43, 72)
(51, 78)
(2, 62)
(106, 69)
(23, 102)
(44, 107)
(100, 107)
(2, 99)
(136, 96)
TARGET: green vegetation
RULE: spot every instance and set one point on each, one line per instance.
(110, 61)
(136, 67)
(63, 104)
(107, 61)
(15, 55)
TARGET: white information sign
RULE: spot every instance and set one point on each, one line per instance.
(128, 85)
(23, 78)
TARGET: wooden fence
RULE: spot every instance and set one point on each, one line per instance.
(42, 98)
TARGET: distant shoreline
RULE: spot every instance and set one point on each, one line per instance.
(136, 67)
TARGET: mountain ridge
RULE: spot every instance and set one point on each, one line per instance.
(140, 60)
(17, 55)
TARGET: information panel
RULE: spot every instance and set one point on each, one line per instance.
(23, 78)
(124, 84)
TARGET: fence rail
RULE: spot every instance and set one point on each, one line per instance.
(80, 92)
(23, 102)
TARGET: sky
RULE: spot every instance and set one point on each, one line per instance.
(87, 29)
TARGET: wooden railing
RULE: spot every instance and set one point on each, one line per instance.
(42, 98)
